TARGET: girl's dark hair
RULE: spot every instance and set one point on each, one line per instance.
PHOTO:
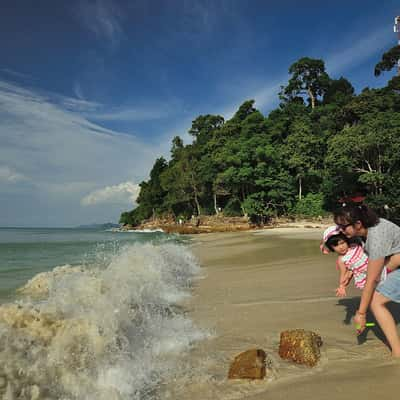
(335, 239)
(352, 213)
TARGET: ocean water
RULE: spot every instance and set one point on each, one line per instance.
(90, 314)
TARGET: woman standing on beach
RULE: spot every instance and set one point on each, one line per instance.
(382, 240)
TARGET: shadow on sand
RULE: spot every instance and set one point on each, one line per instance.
(351, 305)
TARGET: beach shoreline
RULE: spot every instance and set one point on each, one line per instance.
(218, 224)
(256, 284)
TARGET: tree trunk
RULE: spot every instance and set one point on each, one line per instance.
(215, 203)
(243, 199)
(195, 194)
(300, 188)
(243, 210)
(312, 97)
(197, 203)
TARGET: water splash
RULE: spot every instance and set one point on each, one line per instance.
(110, 332)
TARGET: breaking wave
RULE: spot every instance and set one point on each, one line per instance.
(110, 332)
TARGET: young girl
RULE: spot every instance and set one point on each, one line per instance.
(352, 261)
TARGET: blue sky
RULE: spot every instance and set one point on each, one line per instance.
(91, 92)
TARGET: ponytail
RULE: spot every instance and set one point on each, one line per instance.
(350, 214)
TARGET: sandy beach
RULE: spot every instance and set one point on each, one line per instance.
(255, 285)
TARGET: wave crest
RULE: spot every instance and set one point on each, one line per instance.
(99, 333)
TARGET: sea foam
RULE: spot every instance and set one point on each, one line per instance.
(104, 332)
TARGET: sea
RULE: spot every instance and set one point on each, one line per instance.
(92, 314)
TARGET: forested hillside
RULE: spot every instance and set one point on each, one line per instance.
(321, 144)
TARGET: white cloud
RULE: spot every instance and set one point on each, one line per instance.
(35, 130)
(103, 18)
(9, 175)
(78, 91)
(359, 50)
(78, 105)
(64, 156)
(15, 74)
(137, 113)
(125, 193)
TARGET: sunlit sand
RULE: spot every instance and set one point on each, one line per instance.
(257, 284)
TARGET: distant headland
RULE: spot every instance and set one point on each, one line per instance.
(107, 225)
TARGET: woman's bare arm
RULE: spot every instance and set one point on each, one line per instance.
(374, 271)
(393, 262)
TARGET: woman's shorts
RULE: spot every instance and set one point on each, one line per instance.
(390, 287)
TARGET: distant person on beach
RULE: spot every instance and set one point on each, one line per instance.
(382, 239)
(352, 261)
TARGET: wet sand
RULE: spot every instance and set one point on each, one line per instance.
(257, 284)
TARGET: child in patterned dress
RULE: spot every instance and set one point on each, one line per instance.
(352, 261)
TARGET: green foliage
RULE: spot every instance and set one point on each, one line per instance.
(124, 218)
(298, 159)
(389, 60)
(339, 91)
(204, 125)
(308, 78)
(310, 206)
(369, 151)
(394, 84)
(304, 152)
(134, 217)
(151, 196)
(176, 148)
(246, 109)
(233, 209)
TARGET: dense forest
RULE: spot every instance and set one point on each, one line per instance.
(321, 144)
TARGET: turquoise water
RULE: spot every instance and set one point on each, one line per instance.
(25, 252)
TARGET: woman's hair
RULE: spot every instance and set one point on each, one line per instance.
(335, 239)
(352, 213)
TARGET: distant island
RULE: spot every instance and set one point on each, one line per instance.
(107, 225)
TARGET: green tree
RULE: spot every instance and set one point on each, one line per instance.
(203, 126)
(176, 148)
(322, 142)
(369, 152)
(388, 61)
(235, 157)
(279, 120)
(304, 152)
(339, 91)
(125, 218)
(309, 78)
(245, 109)
(311, 205)
(182, 182)
(151, 197)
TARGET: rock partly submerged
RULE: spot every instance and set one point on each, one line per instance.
(250, 364)
(300, 346)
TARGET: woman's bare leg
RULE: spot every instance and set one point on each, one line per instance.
(386, 322)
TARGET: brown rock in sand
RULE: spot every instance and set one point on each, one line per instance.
(300, 346)
(248, 365)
